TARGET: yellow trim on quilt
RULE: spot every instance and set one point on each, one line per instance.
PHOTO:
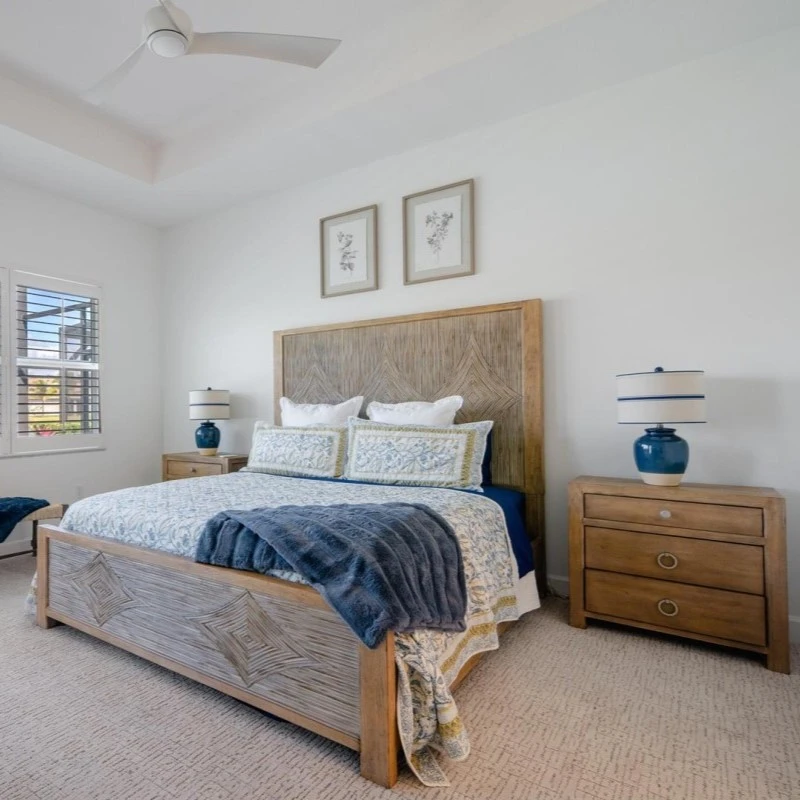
(452, 729)
(483, 629)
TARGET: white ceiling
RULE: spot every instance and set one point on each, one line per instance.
(69, 46)
(185, 136)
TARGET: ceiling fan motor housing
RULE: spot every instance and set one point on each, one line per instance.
(161, 34)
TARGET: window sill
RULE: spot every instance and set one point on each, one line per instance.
(52, 452)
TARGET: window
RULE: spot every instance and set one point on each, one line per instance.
(49, 364)
(3, 361)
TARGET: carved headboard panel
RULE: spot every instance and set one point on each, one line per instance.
(492, 355)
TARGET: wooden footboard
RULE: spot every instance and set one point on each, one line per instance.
(271, 643)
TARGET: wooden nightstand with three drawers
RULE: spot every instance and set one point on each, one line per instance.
(698, 561)
(176, 466)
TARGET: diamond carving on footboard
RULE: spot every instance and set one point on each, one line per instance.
(102, 589)
(251, 641)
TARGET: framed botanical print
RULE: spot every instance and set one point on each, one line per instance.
(349, 252)
(438, 233)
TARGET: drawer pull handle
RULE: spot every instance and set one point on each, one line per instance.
(669, 608)
(667, 560)
(664, 514)
(194, 469)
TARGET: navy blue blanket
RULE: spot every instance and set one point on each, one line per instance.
(14, 509)
(382, 566)
(511, 501)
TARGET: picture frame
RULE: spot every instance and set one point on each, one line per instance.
(348, 244)
(439, 233)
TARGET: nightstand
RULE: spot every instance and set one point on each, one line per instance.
(176, 466)
(699, 561)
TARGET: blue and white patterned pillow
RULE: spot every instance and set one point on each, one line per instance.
(315, 451)
(415, 455)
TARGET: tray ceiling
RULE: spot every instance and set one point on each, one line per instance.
(183, 136)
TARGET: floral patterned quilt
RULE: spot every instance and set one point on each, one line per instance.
(170, 517)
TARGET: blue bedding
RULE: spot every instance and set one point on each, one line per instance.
(382, 566)
(512, 503)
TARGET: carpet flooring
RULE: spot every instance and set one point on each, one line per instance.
(557, 714)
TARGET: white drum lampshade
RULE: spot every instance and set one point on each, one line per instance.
(208, 404)
(660, 398)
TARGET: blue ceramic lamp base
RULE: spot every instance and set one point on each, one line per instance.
(661, 456)
(206, 438)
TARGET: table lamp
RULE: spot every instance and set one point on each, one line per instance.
(662, 397)
(209, 404)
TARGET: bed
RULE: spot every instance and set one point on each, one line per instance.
(271, 641)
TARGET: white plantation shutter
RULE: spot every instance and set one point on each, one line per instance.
(56, 364)
(4, 403)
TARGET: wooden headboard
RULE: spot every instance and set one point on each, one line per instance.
(491, 355)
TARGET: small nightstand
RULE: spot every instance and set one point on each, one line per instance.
(699, 561)
(176, 466)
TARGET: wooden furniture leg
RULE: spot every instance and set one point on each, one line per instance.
(379, 741)
(778, 654)
(42, 581)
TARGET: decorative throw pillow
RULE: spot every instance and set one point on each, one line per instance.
(310, 451)
(301, 414)
(448, 456)
(442, 412)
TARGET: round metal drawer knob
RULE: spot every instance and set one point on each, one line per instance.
(194, 469)
(669, 608)
(664, 514)
(667, 560)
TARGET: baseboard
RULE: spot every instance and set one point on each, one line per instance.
(14, 547)
(558, 585)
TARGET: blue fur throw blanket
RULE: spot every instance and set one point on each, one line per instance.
(14, 509)
(382, 566)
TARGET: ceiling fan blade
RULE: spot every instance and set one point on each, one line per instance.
(168, 11)
(101, 91)
(307, 51)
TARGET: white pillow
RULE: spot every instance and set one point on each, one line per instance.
(442, 412)
(298, 415)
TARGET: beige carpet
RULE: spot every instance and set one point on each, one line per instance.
(557, 714)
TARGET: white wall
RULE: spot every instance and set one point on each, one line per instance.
(657, 219)
(54, 236)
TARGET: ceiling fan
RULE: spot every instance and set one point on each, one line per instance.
(168, 32)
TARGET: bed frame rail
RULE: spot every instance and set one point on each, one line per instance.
(270, 643)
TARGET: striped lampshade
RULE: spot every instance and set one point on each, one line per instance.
(210, 404)
(661, 397)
